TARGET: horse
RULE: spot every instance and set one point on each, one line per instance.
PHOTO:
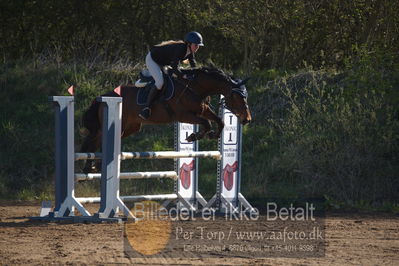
(189, 104)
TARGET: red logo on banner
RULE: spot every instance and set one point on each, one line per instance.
(185, 174)
(228, 175)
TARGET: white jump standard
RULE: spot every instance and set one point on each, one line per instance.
(228, 197)
(65, 200)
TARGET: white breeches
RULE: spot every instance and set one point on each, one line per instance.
(155, 71)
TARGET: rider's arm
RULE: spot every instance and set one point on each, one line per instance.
(192, 61)
(176, 70)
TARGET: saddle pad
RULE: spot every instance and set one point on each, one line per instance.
(168, 91)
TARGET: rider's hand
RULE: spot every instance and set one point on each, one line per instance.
(189, 77)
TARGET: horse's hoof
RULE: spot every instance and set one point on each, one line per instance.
(87, 170)
(191, 138)
(90, 169)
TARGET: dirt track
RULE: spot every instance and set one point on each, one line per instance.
(361, 239)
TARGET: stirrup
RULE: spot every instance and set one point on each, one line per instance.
(145, 113)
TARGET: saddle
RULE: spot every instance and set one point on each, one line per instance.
(146, 81)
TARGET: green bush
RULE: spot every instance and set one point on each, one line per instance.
(328, 135)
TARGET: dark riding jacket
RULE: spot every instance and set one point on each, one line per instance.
(171, 55)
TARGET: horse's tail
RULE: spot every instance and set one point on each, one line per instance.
(90, 118)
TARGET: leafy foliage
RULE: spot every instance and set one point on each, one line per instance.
(328, 135)
(253, 35)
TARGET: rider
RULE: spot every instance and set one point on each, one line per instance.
(169, 53)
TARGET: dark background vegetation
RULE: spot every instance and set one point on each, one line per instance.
(324, 89)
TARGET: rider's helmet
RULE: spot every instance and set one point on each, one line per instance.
(194, 37)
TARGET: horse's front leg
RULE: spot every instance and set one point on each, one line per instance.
(205, 128)
(205, 125)
(209, 114)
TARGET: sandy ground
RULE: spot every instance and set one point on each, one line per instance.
(350, 238)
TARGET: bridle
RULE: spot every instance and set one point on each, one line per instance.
(238, 88)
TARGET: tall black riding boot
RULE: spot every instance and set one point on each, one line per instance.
(146, 111)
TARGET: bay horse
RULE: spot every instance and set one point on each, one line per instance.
(189, 104)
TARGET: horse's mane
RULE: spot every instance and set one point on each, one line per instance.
(213, 72)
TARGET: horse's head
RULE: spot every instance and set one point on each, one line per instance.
(236, 100)
(214, 81)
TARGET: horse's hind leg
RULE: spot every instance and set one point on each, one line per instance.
(210, 115)
(131, 129)
(91, 143)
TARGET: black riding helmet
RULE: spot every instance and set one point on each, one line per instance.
(194, 37)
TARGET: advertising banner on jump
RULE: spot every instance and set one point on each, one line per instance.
(230, 167)
(187, 168)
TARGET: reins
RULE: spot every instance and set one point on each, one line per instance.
(186, 86)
